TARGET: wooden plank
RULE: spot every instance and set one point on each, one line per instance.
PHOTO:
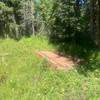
(57, 61)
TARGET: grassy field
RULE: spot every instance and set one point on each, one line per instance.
(23, 76)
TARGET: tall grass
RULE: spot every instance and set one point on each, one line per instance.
(23, 76)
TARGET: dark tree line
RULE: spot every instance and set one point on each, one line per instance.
(66, 20)
(69, 20)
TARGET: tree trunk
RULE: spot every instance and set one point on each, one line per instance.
(92, 19)
(98, 23)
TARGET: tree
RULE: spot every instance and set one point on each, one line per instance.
(21, 17)
(6, 19)
(95, 21)
(98, 22)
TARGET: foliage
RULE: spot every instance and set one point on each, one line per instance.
(6, 18)
(17, 18)
(64, 20)
(43, 11)
(67, 21)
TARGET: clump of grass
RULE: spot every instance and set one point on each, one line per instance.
(3, 78)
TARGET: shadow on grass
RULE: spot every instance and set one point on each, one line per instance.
(92, 64)
(86, 52)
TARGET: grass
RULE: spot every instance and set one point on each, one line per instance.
(25, 77)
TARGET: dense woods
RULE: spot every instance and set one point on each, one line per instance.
(66, 20)
(75, 20)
